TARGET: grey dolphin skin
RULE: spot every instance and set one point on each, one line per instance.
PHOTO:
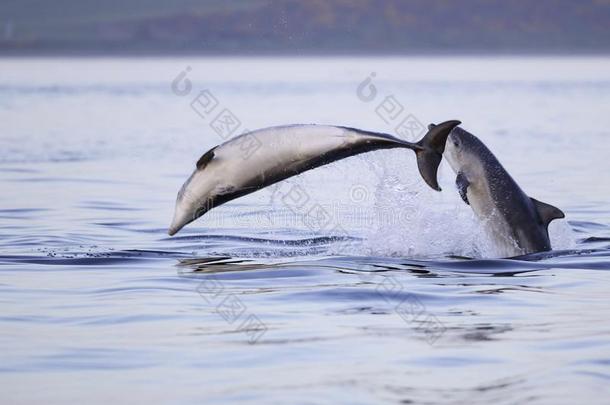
(516, 223)
(251, 161)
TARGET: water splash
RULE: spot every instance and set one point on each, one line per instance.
(410, 220)
(562, 235)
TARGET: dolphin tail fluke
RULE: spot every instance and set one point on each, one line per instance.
(433, 146)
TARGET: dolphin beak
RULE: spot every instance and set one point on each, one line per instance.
(181, 218)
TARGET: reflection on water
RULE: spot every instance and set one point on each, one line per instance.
(250, 304)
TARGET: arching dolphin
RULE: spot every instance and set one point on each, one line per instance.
(516, 223)
(260, 158)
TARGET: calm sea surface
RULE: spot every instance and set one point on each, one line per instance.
(373, 289)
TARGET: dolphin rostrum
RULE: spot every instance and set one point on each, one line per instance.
(257, 159)
(516, 223)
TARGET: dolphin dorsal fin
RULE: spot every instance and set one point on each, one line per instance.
(547, 212)
(205, 159)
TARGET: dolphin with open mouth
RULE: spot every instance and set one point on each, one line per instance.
(257, 159)
(516, 223)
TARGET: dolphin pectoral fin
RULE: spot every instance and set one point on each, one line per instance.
(462, 184)
(433, 144)
(547, 212)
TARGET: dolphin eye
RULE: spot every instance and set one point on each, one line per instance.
(456, 143)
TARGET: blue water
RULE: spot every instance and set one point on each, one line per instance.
(392, 296)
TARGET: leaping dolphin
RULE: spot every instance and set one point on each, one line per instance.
(251, 161)
(515, 222)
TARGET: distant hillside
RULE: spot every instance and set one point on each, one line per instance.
(304, 27)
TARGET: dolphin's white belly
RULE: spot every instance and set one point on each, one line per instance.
(259, 157)
(495, 226)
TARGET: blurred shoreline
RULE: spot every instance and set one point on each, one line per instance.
(307, 55)
(312, 28)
